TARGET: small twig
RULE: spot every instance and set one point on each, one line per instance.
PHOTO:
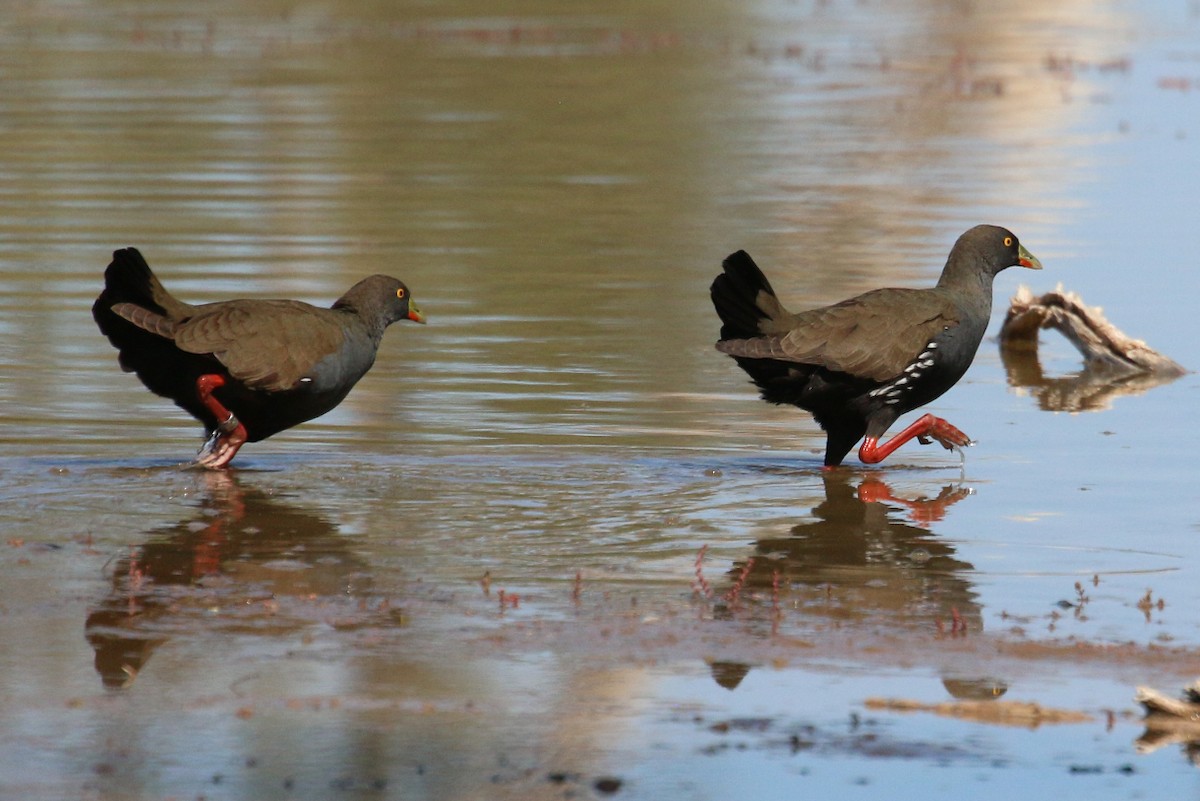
(1147, 604)
(1081, 600)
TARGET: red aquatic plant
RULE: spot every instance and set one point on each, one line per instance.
(508, 600)
(776, 612)
(700, 585)
(735, 591)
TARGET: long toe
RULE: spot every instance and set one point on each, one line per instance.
(205, 454)
(216, 457)
(218, 450)
(947, 435)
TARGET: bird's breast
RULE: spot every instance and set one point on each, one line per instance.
(340, 370)
(930, 373)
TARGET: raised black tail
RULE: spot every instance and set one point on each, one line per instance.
(128, 279)
(161, 366)
(744, 299)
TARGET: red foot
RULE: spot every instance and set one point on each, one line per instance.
(926, 429)
(229, 435)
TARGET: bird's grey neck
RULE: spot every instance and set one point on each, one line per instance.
(373, 324)
(966, 279)
(970, 289)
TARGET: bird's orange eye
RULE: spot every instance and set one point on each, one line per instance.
(400, 293)
(1007, 244)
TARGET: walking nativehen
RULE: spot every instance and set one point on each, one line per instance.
(860, 364)
(246, 369)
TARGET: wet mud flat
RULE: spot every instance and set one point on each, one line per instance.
(264, 633)
(553, 546)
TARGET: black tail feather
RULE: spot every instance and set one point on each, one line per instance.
(161, 366)
(737, 294)
(128, 279)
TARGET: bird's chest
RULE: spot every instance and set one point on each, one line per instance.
(928, 374)
(336, 373)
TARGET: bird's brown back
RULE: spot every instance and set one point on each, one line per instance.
(266, 344)
(872, 336)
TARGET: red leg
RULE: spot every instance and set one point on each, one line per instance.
(229, 434)
(927, 429)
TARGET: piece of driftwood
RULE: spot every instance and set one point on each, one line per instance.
(1114, 364)
(1102, 344)
(1005, 713)
(1168, 720)
(1156, 703)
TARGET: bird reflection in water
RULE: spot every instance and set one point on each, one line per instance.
(240, 552)
(862, 541)
(869, 558)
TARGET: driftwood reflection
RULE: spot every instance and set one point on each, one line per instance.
(238, 554)
(1113, 363)
(1088, 390)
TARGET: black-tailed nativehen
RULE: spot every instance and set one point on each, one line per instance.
(860, 364)
(246, 369)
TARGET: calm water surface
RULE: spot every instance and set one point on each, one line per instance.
(553, 546)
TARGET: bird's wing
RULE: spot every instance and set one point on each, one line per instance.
(872, 336)
(266, 344)
(145, 319)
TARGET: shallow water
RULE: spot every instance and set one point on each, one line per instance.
(510, 564)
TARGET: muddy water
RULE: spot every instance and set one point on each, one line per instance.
(552, 546)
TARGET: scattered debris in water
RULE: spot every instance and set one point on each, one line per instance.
(1147, 604)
